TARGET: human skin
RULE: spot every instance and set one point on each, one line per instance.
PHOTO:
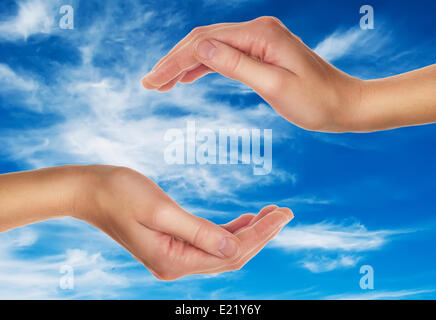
(301, 86)
(136, 213)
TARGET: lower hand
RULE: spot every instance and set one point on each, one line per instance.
(169, 241)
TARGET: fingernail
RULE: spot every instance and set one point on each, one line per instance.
(206, 50)
(286, 219)
(144, 82)
(148, 79)
(228, 247)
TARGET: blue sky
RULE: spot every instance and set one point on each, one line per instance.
(74, 96)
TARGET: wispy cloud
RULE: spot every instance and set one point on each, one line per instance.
(33, 17)
(329, 236)
(324, 263)
(382, 295)
(353, 41)
(10, 80)
(330, 246)
(38, 276)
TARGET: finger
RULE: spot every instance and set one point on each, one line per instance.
(262, 229)
(180, 59)
(171, 84)
(232, 36)
(201, 263)
(239, 222)
(254, 238)
(263, 38)
(263, 213)
(262, 244)
(150, 82)
(247, 219)
(169, 258)
(199, 232)
(249, 255)
(189, 37)
(264, 78)
(170, 69)
(196, 74)
(245, 258)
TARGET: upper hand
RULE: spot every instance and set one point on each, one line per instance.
(266, 56)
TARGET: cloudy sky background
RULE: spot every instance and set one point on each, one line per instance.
(74, 96)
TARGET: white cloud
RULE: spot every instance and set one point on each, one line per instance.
(324, 263)
(328, 246)
(38, 276)
(9, 80)
(352, 41)
(381, 295)
(331, 237)
(227, 3)
(305, 199)
(33, 17)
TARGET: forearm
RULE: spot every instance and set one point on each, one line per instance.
(32, 196)
(403, 100)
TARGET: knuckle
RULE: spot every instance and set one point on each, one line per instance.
(269, 21)
(256, 233)
(199, 235)
(247, 215)
(177, 64)
(197, 30)
(152, 217)
(234, 63)
(197, 34)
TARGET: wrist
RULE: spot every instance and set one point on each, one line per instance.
(96, 190)
(364, 115)
(89, 185)
(73, 185)
(350, 115)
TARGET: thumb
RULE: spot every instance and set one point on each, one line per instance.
(264, 78)
(199, 232)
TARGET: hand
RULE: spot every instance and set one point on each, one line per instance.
(266, 56)
(295, 81)
(169, 241)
